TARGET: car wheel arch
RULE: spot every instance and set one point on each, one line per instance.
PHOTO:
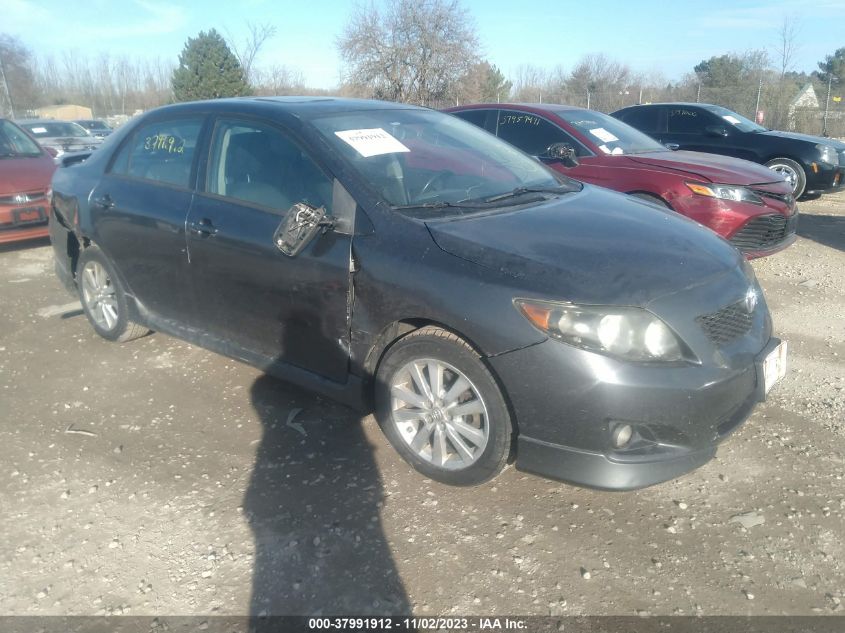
(397, 330)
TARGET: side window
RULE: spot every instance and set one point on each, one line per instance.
(258, 164)
(162, 152)
(530, 133)
(644, 119)
(686, 120)
(476, 117)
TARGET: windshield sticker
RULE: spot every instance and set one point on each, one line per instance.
(516, 119)
(603, 135)
(731, 119)
(39, 130)
(371, 142)
(605, 149)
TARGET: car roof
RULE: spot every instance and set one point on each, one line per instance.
(546, 107)
(304, 106)
(686, 104)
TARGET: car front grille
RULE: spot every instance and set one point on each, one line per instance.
(765, 231)
(727, 324)
(23, 198)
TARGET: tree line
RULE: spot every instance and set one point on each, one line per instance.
(415, 51)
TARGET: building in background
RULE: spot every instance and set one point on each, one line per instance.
(67, 112)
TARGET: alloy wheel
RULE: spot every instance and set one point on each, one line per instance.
(439, 413)
(99, 296)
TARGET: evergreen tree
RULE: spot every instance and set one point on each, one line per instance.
(208, 70)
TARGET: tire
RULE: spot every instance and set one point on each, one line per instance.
(460, 450)
(792, 171)
(651, 198)
(103, 298)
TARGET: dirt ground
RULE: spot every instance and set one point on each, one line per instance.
(157, 478)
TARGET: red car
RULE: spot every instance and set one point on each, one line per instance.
(747, 204)
(25, 173)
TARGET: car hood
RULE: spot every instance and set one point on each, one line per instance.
(712, 167)
(595, 246)
(25, 174)
(816, 140)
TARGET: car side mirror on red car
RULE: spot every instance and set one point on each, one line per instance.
(564, 152)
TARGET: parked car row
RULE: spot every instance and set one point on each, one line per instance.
(393, 257)
(747, 204)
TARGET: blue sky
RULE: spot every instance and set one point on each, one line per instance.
(649, 35)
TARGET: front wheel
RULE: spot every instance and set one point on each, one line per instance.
(792, 172)
(103, 298)
(441, 408)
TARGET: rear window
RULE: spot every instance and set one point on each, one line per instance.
(14, 142)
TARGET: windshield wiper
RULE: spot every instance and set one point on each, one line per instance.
(440, 204)
(523, 190)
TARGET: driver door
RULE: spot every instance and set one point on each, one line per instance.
(249, 296)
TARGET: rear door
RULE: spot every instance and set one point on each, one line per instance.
(248, 294)
(138, 212)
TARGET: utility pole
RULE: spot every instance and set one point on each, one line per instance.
(8, 93)
(698, 94)
(588, 99)
(827, 103)
(757, 105)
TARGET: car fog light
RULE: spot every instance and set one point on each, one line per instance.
(621, 435)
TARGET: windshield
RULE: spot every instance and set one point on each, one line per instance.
(610, 135)
(422, 158)
(94, 125)
(737, 120)
(48, 129)
(14, 142)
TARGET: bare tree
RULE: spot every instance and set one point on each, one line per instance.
(248, 50)
(787, 42)
(413, 51)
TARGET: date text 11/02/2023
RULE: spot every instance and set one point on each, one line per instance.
(414, 624)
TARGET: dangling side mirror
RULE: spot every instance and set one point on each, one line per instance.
(564, 152)
(299, 227)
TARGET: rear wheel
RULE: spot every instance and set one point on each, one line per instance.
(103, 298)
(792, 172)
(441, 408)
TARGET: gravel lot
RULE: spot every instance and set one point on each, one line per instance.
(157, 478)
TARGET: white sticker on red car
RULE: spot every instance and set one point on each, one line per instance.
(371, 141)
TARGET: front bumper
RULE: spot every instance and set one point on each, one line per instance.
(680, 414)
(23, 222)
(824, 178)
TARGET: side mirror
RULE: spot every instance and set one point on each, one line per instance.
(564, 152)
(299, 227)
(716, 130)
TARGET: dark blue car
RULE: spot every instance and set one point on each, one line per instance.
(402, 260)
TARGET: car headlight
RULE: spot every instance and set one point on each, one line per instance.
(628, 333)
(827, 154)
(725, 192)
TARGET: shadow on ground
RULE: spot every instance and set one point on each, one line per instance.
(314, 504)
(828, 230)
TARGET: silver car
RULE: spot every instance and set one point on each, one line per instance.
(62, 137)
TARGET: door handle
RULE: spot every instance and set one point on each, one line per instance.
(203, 228)
(104, 202)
